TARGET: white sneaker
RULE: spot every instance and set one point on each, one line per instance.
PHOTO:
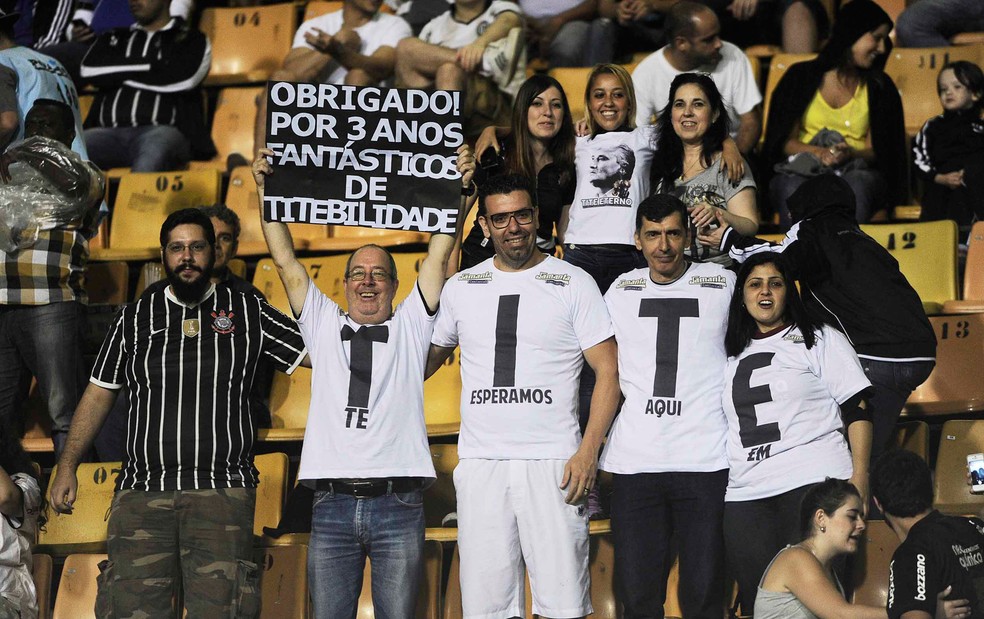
(502, 57)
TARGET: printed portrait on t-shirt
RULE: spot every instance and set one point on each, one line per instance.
(610, 175)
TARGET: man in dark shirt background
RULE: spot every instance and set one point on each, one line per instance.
(936, 552)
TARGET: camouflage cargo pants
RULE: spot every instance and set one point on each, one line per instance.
(199, 542)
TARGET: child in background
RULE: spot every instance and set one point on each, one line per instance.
(949, 150)
(20, 505)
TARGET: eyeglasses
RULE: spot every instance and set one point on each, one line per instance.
(377, 275)
(197, 247)
(501, 220)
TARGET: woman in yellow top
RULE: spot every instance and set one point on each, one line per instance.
(841, 113)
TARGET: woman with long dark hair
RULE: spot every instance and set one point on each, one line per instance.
(691, 132)
(841, 112)
(540, 146)
(791, 387)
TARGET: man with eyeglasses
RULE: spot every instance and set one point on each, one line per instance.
(365, 452)
(182, 515)
(525, 322)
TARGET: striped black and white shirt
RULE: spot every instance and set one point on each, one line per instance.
(147, 78)
(188, 372)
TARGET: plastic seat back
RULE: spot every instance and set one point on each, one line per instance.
(955, 386)
(85, 529)
(248, 43)
(271, 491)
(871, 564)
(283, 582)
(77, 588)
(914, 71)
(927, 256)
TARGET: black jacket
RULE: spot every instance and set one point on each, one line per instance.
(846, 278)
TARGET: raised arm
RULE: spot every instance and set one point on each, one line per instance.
(433, 269)
(89, 417)
(436, 357)
(281, 245)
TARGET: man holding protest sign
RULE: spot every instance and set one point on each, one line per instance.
(476, 47)
(365, 451)
(524, 472)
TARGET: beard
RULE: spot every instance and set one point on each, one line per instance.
(189, 293)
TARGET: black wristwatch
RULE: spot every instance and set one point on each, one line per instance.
(469, 191)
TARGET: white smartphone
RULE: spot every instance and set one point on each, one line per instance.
(975, 464)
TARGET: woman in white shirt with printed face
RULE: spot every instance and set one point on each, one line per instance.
(791, 388)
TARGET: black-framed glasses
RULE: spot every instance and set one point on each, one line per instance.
(197, 247)
(501, 220)
(377, 275)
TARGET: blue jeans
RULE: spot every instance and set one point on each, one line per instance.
(649, 508)
(868, 187)
(344, 531)
(46, 341)
(893, 381)
(583, 43)
(143, 149)
(930, 23)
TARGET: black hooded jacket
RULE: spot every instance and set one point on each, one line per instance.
(846, 278)
(801, 81)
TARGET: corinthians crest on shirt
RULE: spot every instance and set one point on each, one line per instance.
(222, 322)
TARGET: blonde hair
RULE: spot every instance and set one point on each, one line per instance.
(625, 80)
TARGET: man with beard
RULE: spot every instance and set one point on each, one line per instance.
(524, 471)
(188, 484)
(695, 44)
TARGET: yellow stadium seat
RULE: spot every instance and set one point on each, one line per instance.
(327, 272)
(439, 498)
(973, 282)
(762, 51)
(442, 398)
(42, 574)
(271, 491)
(951, 492)
(283, 582)
(316, 8)
(575, 81)
(85, 529)
(870, 573)
(914, 72)
(913, 436)
(241, 198)
(350, 238)
(777, 68)
(927, 256)
(85, 104)
(910, 212)
(237, 266)
(248, 43)
(954, 386)
(290, 399)
(232, 126)
(429, 595)
(77, 588)
(144, 201)
(150, 273)
(107, 282)
(969, 38)
(37, 428)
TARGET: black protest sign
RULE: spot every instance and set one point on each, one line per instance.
(363, 156)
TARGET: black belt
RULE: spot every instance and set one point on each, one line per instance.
(368, 488)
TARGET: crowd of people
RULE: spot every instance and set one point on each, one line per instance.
(742, 393)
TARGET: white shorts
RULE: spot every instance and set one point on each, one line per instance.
(512, 512)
